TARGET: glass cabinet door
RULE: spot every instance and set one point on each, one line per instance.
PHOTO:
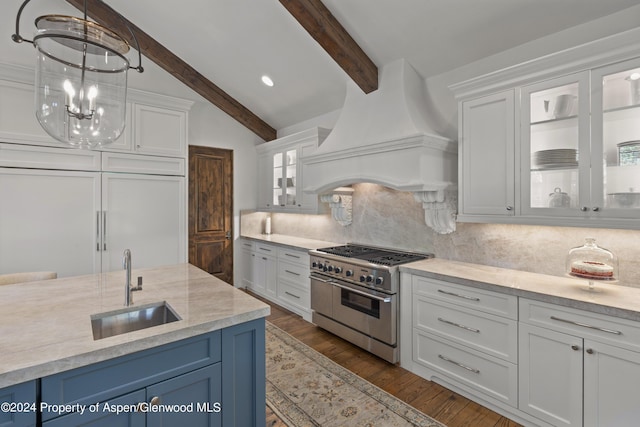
(616, 139)
(555, 147)
(284, 178)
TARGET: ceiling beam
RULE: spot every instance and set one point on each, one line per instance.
(314, 16)
(167, 60)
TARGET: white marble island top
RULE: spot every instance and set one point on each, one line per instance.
(45, 327)
(290, 241)
(607, 298)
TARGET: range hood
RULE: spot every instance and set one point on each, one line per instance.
(383, 138)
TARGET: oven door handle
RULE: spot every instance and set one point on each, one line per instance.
(319, 279)
(366, 294)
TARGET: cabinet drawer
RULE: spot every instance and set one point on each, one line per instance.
(618, 332)
(26, 156)
(291, 255)
(294, 295)
(294, 273)
(105, 380)
(247, 244)
(489, 334)
(478, 299)
(266, 249)
(493, 377)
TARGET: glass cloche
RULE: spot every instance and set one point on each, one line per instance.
(592, 262)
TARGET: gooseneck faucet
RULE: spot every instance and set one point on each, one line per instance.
(128, 289)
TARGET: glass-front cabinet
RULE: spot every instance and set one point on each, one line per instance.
(285, 175)
(580, 144)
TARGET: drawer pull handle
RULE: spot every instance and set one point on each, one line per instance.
(292, 256)
(446, 359)
(292, 272)
(265, 249)
(458, 295)
(291, 295)
(584, 325)
(449, 322)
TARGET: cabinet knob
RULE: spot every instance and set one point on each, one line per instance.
(509, 208)
(584, 209)
(575, 347)
(155, 401)
(590, 351)
(595, 209)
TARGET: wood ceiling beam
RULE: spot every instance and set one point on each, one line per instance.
(320, 23)
(167, 60)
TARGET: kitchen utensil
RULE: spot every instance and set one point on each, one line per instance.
(559, 199)
(625, 200)
(560, 106)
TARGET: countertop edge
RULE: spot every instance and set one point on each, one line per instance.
(564, 301)
(292, 242)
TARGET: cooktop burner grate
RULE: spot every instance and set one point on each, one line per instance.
(374, 255)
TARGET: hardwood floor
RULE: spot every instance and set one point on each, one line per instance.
(432, 399)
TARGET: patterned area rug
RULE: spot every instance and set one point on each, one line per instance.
(305, 388)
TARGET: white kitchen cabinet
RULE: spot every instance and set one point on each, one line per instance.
(278, 274)
(550, 375)
(49, 221)
(578, 368)
(487, 157)
(146, 214)
(155, 124)
(280, 175)
(461, 336)
(571, 118)
(62, 212)
(265, 271)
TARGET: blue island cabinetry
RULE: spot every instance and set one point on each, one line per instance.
(214, 379)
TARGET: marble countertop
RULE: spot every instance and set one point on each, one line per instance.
(45, 327)
(290, 241)
(606, 298)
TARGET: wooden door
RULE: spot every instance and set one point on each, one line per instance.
(211, 210)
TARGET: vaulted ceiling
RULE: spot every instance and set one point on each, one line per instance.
(221, 48)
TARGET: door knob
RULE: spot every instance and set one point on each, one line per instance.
(227, 235)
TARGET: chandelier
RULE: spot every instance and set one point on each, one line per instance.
(81, 78)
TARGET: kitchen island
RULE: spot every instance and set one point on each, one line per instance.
(47, 343)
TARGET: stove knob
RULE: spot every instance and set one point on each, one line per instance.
(369, 278)
(330, 268)
(338, 270)
(314, 264)
(325, 268)
(320, 266)
(379, 280)
(349, 273)
(363, 278)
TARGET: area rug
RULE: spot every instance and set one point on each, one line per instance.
(305, 388)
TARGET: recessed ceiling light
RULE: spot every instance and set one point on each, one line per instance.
(267, 80)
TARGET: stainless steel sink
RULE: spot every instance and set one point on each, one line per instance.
(132, 319)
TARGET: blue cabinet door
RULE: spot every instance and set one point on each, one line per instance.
(117, 412)
(192, 399)
(18, 405)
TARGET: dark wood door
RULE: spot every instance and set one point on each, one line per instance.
(211, 210)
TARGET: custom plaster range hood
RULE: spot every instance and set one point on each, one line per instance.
(383, 138)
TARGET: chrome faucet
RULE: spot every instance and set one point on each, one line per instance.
(128, 289)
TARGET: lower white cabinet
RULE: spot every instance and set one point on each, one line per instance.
(278, 274)
(538, 363)
(578, 368)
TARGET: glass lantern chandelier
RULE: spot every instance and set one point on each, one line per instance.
(81, 78)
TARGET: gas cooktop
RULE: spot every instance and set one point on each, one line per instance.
(374, 255)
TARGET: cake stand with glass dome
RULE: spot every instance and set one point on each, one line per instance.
(592, 263)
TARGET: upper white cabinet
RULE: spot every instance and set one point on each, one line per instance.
(156, 124)
(554, 141)
(486, 155)
(280, 178)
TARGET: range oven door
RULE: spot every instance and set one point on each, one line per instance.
(364, 310)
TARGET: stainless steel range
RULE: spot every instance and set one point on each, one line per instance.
(354, 294)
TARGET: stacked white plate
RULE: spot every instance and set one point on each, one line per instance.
(558, 158)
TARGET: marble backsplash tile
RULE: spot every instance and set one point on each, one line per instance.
(389, 218)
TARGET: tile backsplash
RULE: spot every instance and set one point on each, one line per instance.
(389, 218)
